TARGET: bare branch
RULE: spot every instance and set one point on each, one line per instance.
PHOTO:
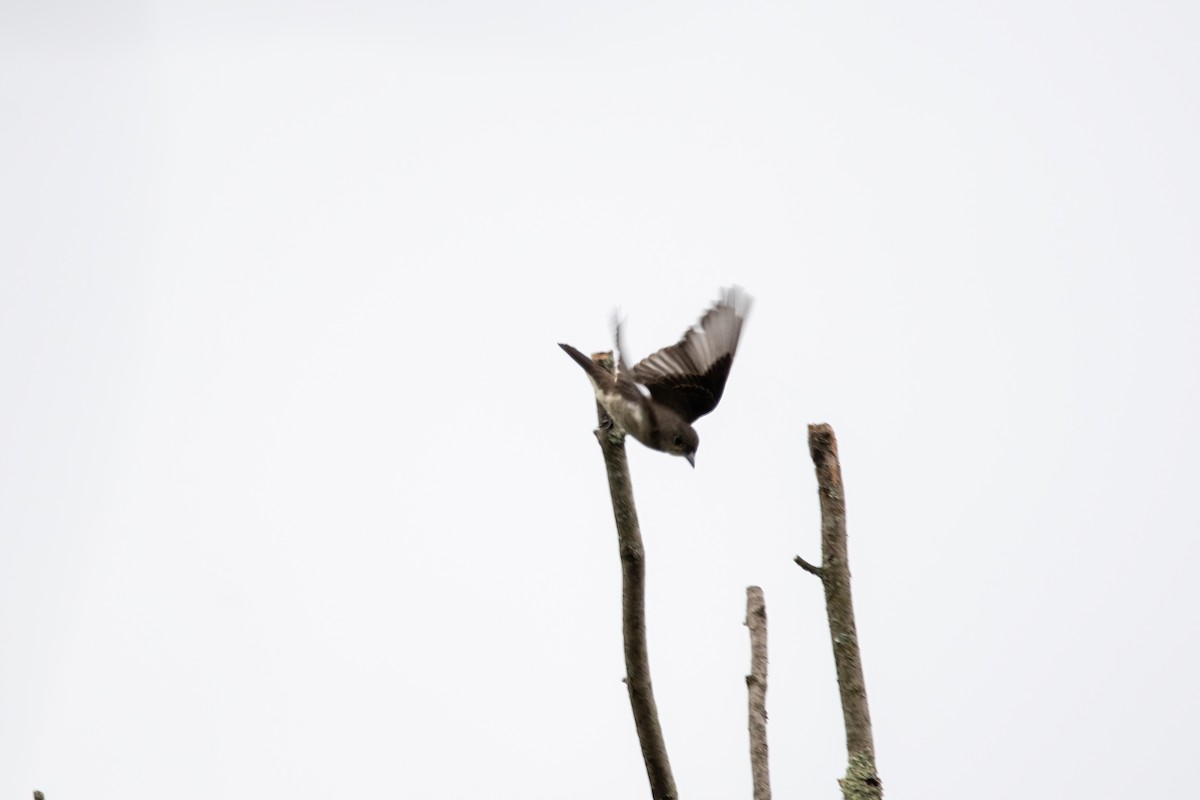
(861, 779)
(633, 605)
(756, 685)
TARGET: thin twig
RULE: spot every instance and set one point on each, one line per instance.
(633, 605)
(862, 780)
(756, 685)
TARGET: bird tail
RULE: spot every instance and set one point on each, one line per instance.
(596, 372)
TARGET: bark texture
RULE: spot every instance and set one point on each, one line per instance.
(861, 781)
(756, 686)
(633, 605)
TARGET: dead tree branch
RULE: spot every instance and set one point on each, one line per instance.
(756, 686)
(633, 605)
(861, 781)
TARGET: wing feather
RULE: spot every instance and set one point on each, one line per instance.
(690, 376)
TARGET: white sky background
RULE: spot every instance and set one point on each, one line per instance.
(299, 498)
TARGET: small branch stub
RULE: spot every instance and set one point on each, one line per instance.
(812, 569)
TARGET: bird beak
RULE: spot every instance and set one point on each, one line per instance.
(691, 457)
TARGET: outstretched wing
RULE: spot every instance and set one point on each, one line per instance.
(690, 376)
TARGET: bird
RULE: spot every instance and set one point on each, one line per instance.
(657, 401)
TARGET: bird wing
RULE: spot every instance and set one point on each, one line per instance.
(690, 376)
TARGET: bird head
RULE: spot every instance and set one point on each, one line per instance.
(680, 439)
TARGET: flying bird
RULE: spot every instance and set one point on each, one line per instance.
(657, 401)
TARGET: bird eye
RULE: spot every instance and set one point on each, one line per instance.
(678, 440)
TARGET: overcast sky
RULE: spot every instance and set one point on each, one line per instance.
(299, 498)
